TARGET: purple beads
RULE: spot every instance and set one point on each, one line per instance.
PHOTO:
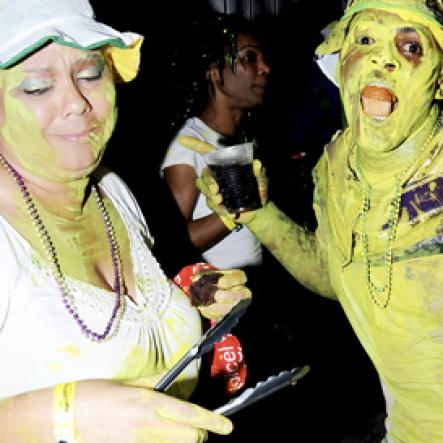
(52, 255)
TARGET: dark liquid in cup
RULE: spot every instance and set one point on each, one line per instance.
(238, 186)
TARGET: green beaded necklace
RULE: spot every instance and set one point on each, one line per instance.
(393, 218)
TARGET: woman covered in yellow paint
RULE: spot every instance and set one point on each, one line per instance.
(88, 321)
(378, 200)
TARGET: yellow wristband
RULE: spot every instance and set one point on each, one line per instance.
(229, 223)
(63, 413)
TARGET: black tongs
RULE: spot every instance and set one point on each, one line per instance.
(214, 335)
(262, 389)
(210, 337)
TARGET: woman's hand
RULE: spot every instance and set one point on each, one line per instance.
(111, 412)
(114, 413)
(216, 292)
(209, 187)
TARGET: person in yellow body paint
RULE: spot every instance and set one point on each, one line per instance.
(88, 320)
(378, 202)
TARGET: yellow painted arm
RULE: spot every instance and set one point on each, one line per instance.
(295, 247)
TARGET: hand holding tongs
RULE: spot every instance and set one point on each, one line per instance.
(205, 344)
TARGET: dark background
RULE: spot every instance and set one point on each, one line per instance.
(339, 401)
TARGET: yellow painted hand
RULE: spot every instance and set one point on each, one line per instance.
(225, 287)
(145, 382)
(209, 187)
(111, 412)
(181, 388)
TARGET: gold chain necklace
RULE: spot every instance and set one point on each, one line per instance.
(393, 219)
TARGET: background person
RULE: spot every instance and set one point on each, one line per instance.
(229, 78)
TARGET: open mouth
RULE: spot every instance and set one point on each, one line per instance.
(378, 101)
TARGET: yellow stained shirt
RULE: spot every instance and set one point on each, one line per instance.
(44, 346)
(404, 340)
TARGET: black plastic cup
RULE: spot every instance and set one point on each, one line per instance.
(231, 168)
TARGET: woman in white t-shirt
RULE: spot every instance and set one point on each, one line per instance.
(233, 80)
(88, 320)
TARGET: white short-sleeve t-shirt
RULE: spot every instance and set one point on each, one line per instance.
(41, 344)
(237, 249)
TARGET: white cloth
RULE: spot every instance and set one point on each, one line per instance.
(237, 249)
(40, 343)
(27, 24)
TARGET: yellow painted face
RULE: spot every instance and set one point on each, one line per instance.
(388, 76)
(57, 112)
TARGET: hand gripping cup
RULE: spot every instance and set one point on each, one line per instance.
(231, 168)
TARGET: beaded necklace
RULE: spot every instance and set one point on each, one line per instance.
(48, 246)
(393, 218)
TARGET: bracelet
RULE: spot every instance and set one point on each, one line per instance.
(63, 413)
(230, 224)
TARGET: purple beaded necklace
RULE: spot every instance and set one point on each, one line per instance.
(48, 246)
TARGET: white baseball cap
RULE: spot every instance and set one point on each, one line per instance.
(27, 25)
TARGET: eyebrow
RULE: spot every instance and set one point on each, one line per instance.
(95, 57)
(36, 70)
(407, 29)
(250, 46)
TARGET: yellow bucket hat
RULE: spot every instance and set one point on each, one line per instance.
(27, 25)
(424, 12)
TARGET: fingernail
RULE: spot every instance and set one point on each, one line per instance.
(227, 427)
(219, 296)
